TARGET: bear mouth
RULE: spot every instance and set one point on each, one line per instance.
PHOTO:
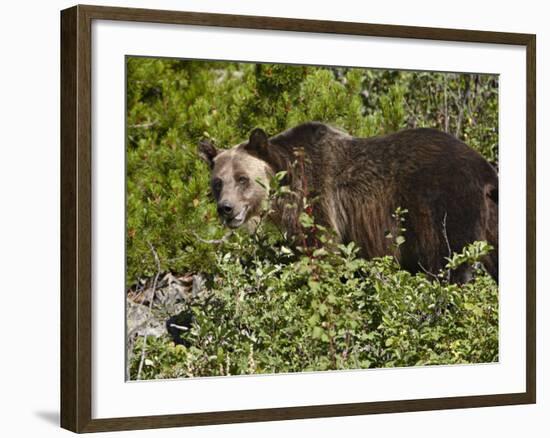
(237, 220)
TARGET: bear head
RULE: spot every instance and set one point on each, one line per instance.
(239, 178)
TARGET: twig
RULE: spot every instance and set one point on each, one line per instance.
(138, 292)
(431, 274)
(130, 341)
(412, 114)
(445, 234)
(447, 242)
(179, 327)
(145, 125)
(465, 99)
(213, 241)
(142, 360)
(446, 112)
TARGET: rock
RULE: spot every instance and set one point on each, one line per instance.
(140, 322)
(198, 284)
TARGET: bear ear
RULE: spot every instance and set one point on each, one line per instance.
(207, 152)
(258, 142)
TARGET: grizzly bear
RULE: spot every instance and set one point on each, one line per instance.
(449, 190)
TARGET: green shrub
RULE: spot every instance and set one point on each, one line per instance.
(270, 309)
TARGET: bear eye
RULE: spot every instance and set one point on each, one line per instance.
(217, 184)
(243, 180)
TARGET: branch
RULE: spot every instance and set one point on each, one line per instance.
(446, 112)
(445, 235)
(179, 327)
(142, 360)
(213, 241)
(465, 98)
(431, 274)
(447, 242)
(144, 125)
(130, 335)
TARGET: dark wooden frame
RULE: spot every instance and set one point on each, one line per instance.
(76, 174)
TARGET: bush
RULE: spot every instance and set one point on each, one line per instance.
(270, 309)
(267, 307)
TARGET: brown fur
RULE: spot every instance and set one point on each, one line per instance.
(450, 191)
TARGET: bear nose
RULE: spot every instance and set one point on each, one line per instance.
(225, 208)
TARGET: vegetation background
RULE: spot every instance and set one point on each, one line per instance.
(201, 302)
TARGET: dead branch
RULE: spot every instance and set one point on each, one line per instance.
(465, 100)
(154, 287)
(179, 327)
(445, 235)
(431, 274)
(144, 125)
(447, 242)
(130, 341)
(213, 241)
(446, 109)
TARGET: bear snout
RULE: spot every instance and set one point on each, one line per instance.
(225, 209)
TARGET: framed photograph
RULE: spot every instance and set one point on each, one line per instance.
(269, 218)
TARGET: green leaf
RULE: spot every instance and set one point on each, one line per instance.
(399, 240)
(317, 332)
